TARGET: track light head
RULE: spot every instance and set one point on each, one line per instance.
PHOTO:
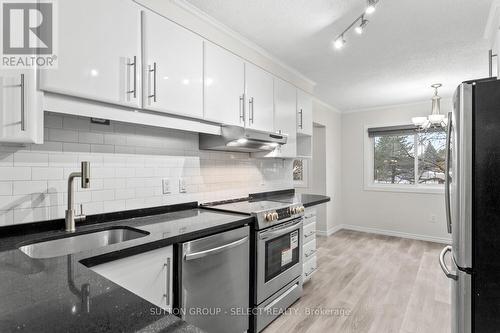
(370, 8)
(339, 42)
(361, 27)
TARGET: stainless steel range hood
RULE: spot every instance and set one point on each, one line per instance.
(240, 139)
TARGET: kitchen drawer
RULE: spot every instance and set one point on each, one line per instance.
(308, 220)
(310, 212)
(310, 267)
(309, 249)
(309, 232)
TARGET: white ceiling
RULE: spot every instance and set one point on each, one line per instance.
(408, 45)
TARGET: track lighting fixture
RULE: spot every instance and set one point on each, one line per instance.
(360, 22)
(361, 27)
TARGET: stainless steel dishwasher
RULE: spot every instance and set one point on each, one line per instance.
(215, 282)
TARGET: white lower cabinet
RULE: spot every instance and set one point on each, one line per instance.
(21, 107)
(309, 249)
(148, 275)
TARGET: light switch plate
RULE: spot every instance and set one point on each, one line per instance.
(166, 186)
(182, 185)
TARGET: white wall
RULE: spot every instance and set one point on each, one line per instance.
(396, 213)
(128, 163)
(329, 117)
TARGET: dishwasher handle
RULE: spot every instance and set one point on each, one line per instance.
(215, 250)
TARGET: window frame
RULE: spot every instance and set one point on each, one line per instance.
(368, 166)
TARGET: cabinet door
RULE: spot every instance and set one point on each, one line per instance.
(260, 99)
(99, 52)
(224, 86)
(21, 112)
(285, 121)
(173, 67)
(148, 275)
(304, 113)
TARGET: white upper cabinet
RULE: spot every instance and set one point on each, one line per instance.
(21, 107)
(304, 113)
(285, 121)
(173, 67)
(224, 86)
(99, 52)
(259, 98)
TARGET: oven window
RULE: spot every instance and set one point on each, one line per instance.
(282, 253)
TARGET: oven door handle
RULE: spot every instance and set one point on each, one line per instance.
(279, 232)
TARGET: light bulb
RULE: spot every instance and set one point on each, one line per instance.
(370, 9)
(339, 42)
(361, 27)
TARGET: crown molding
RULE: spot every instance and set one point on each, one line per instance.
(227, 30)
(392, 106)
(326, 105)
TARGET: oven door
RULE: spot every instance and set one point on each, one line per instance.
(279, 257)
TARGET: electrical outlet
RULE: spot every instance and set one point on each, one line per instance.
(166, 186)
(432, 218)
(182, 185)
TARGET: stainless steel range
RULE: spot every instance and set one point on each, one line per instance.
(277, 257)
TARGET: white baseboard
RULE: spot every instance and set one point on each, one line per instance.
(330, 231)
(441, 240)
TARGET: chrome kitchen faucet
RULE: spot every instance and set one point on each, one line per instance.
(84, 174)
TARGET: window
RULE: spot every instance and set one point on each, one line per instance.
(406, 157)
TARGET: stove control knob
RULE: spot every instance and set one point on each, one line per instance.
(295, 210)
(302, 209)
(275, 216)
(268, 217)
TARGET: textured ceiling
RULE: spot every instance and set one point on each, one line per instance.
(408, 45)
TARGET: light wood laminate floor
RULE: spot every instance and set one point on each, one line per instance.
(382, 284)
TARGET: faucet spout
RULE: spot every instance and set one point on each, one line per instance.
(71, 217)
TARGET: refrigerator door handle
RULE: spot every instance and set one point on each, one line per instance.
(447, 173)
(445, 269)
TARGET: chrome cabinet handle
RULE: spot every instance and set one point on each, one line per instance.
(134, 66)
(242, 108)
(447, 175)
(167, 282)
(301, 124)
(311, 253)
(277, 300)
(445, 269)
(280, 231)
(23, 116)
(250, 104)
(311, 271)
(215, 250)
(153, 96)
(313, 232)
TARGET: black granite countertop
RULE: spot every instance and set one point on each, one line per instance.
(289, 196)
(45, 295)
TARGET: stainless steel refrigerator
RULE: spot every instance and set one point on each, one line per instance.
(472, 198)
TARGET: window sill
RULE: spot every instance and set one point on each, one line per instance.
(405, 189)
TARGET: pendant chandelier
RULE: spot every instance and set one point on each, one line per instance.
(435, 119)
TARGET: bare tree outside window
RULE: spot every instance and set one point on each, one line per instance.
(395, 163)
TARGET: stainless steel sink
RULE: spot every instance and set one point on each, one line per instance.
(80, 242)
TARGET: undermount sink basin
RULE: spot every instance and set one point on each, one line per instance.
(80, 242)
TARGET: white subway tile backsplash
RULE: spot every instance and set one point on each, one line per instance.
(76, 147)
(62, 135)
(48, 173)
(90, 137)
(5, 188)
(28, 187)
(128, 163)
(15, 173)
